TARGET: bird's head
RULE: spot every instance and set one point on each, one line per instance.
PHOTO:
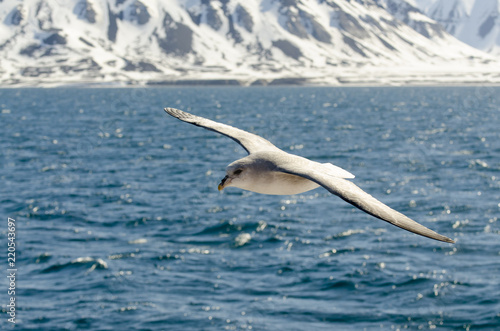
(236, 173)
(249, 173)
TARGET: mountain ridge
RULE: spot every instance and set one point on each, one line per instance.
(472, 21)
(230, 41)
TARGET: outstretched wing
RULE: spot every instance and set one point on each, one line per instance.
(351, 193)
(250, 142)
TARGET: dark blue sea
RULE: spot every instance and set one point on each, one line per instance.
(119, 224)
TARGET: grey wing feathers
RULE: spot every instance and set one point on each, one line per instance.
(354, 195)
(250, 142)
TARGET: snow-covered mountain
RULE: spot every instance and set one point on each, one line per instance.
(475, 22)
(231, 41)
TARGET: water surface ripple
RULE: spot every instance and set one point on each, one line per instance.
(120, 224)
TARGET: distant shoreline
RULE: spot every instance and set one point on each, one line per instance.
(232, 82)
(369, 76)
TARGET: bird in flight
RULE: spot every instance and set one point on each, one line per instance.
(269, 170)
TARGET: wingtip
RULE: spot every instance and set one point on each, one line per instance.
(169, 110)
(442, 238)
(448, 240)
(177, 113)
(432, 235)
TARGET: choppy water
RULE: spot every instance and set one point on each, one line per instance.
(120, 224)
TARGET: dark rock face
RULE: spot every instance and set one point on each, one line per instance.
(138, 13)
(317, 30)
(15, 17)
(141, 66)
(349, 24)
(293, 23)
(84, 65)
(36, 71)
(195, 17)
(55, 39)
(487, 26)
(45, 47)
(288, 48)
(84, 10)
(386, 44)
(354, 45)
(243, 18)
(43, 14)
(112, 27)
(212, 17)
(179, 37)
(301, 23)
(233, 33)
(30, 50)
(86, 42)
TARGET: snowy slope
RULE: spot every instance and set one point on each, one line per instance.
(475, 22)
(243, 41)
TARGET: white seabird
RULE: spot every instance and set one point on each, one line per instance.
(269, 170)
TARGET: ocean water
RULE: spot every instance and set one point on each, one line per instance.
(119, 224)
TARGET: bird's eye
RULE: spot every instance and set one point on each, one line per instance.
(238, 171)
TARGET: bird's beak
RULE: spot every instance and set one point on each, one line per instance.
(223, 183)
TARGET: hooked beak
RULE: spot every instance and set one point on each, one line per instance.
(223, 183)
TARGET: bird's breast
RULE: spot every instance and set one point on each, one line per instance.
(279, 183)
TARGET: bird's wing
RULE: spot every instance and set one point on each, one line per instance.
(351, 193)
(250, 142)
